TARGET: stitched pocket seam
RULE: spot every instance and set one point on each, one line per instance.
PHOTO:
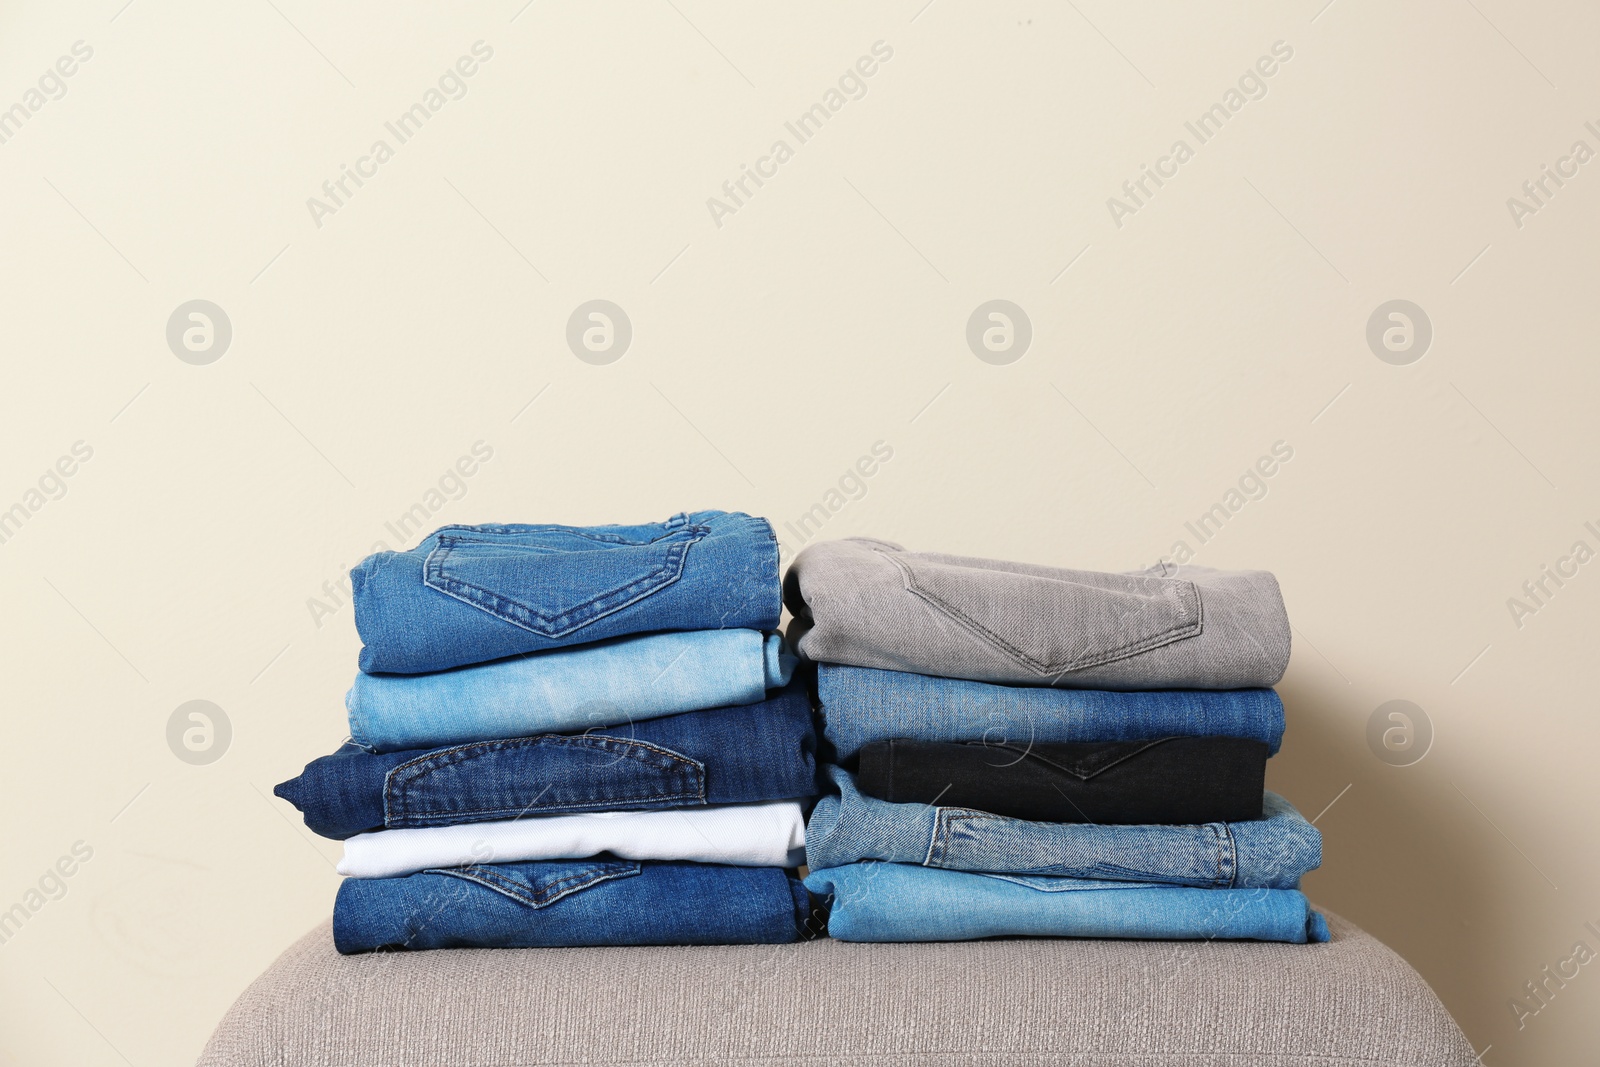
(1180, 630)
(572, 618)
(401, 806)
(549, 892)
(466, 533)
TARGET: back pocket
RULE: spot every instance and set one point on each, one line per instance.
(1053, 625)
(538, 885)
(555, 580)
(543, 775)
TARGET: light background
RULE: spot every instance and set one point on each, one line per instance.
(828, 313)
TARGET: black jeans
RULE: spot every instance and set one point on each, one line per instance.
(1170, 780)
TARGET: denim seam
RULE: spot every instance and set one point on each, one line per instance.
(396, 794)
(937, 840)
(475, 535)
(947, 818)
(1218, 858)
(549, 892)
(670, 526)
(588, 612)
(450, 816)
(504, 607)
(1177, 632)
(775, 583)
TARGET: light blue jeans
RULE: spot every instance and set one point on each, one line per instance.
(862, 704)
(898, 902)
(1270, 853)
(604, 684)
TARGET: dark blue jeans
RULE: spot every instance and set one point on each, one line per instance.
(471, 594)
(735, 755)
(588, 902)
(861, 705)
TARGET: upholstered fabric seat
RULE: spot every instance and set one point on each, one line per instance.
(1002, 1003)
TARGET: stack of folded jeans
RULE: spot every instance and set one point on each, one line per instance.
(1028, 750)
(570, 736)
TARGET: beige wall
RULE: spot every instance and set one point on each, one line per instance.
(374, 344)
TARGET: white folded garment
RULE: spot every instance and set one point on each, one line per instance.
(741, 835)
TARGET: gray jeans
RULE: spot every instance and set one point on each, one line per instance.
(871, 603)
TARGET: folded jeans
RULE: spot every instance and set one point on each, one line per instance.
(861, 705)
(583, 903)
(470, 594)
(1273, 852)
(898, 902)
(619, 681)
(740, 835)
(731, 755)
(1164, 780)
(871, 603)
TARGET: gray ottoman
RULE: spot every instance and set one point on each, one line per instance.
(1003, 1003)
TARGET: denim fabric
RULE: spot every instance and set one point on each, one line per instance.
(470, 594)
(1268, 853)
(733, 755)
(591, 902)
(740, 835)
(861, 705)
(873, 604)
(624, 680)
(897, 902)
(1165, 781)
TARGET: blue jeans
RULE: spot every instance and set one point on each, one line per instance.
(618, 681)
(1270, 853)
(587, 902)
(862, 704)
(898, 902)
(732, 755)
(470, 594)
